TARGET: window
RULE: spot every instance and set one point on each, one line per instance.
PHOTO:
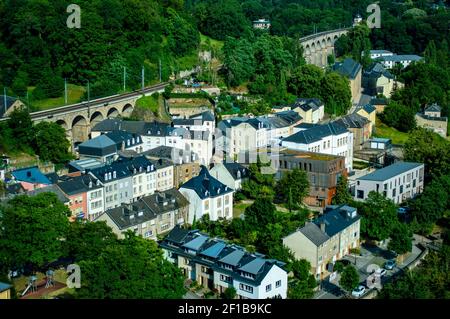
(401, 189)
(148, 234)
(268, 288)
(227, 200)
(393, 192)
(360, 194)
(278, 284)
(225, 278)
(219, 202)
(246, 288)
(207, 205)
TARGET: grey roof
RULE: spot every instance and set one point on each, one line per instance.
(254, 266)
(123, 168)
(235, 168)
(135, 127)
(171, 153)
(4, 286)
(349, 68)
(379, 51)
(433, 108)
(305, 125)
(369, 108)
(83, 165)
(233, 258)
(353, 120)
(128, 139)
(72, 187)
(376, 70)
(196, 243)
(399, 58)
(196, 119)
(314, 234)
(206, 186)
(378, 101)
(9, 102)
(390, 171)
(214, 250)
(316, 133)
(100, 146)
(148, 208)
(308, 104)
(51, 189)
(53, 177)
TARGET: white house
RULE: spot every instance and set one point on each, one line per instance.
(207, 196)
(374, 54)
(214, 264)
(230, 174)
(404, 60)
(330, 138)
(164, 174)
(398, 182)
(311, 110)
(200, 122)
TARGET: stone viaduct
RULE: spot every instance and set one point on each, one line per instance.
(317, 47)
(79, 119)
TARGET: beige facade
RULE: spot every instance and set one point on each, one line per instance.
(184, 172)
(355, 87)
(6, 294)
(436, 124)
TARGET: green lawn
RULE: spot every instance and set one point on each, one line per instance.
(74, 95)
(148, 102)
(216, 44)
(239, 209)
(397, 137)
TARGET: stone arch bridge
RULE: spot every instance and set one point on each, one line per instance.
(79, 119)
(317, 47)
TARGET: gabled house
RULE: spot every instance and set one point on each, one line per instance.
(353, 71)
(369, 112)
(199, 122)
(12, 104)
(360, 126)
(30, 178)
(377, 80)
(150, 216)
(230, 174)
(76, 191)
(327, 239)
(311, 110)
(431, 119)
(207, 196)
(215, 264)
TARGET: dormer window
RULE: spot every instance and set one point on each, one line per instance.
(106, 176)
(140, 214)
(128, 142)
(148, 168)
(133, 141)
(109, 175)
(114, 174)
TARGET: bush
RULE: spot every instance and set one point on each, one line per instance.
(355, 251)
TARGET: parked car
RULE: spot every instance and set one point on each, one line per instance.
(381, 272)
(390, 264)
(359, 291)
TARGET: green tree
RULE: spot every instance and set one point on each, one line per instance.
(335, 93)
(305, 81)
(131, 268)
(399, 116)
(260, 214)
(85, 241)
(401, 239)
(229, 293)
(294, 186)
(349, 278)
(379, 216)
(342, 195)
(21, 128)
(33, 230)
(51, 143)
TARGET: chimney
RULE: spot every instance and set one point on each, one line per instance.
(322, 226)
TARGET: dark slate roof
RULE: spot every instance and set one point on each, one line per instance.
(214, 253)
(376, 70)
(51, 189)
(196, 119)
(206, 116)
(399, 58)
(15, 189)
(235, 168)
(123, 168)
(290, 117)
(306, 125)
(205, 185)
(9, 102)
(379, 101)
(31, 175)
(335, 219)
(100, 146)
(433, 108)
(390, 171)
(349, 68)
(72, 187)
(369, 108)
(148, 208)
(135, 127)
(316, 133)
(308, 104)
(353, 120)
(53, 177)
(119, 137)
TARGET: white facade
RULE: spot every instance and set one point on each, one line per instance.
(144, 182)
(220, 172)
(399, 187)
(340, 145)
(164, 178)
(217, 207)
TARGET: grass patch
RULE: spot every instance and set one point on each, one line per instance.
(397, 137)
(74, 95)
(148, 103)
(216, 44)
(187, 62)
(239, 209)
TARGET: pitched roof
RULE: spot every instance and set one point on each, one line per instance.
(376, 70)
(314, 234)
(349, 68)
(9, 102)
(206, 186)
(51, 189)
(399, 58)
(237, 170)
(124, 167)
(433, 108)
(119, 137)
(390, 171)
(308, 104)
(316, 133)
(31, 175)
(100, 146)
(369, 108)
(85, 164)
(353, 120)
(73, 187)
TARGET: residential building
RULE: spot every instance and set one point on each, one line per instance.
(261, 24)
(374, 54)
(76, 191)
(377, 80)
(391, 61)
(105, 147)
(200, 122)
(51, 189)
(360, 126)
(207, 196)
(323, 172)
(230, 174)
(369, 112)
(331, 138)
(186, 164)
(281, 108)
(379, 104)
(12, 104)
(84, 165)
(214, 264)
(150, 216)
(164, 174)
(398, 182)
(353, 71)
(5, 291)
(311, 110)
(431, 119)
(327, 239)
(30, 178)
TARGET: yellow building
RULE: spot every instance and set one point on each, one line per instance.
(5, 291)
(369, 112)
